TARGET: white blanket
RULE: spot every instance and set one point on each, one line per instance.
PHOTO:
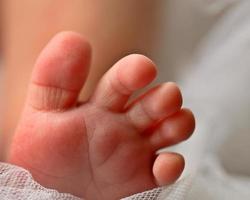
(217, 88)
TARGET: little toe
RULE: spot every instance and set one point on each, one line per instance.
(127, 75)
(59, 73)
(155, 105)
(167, 168)
(173, 130)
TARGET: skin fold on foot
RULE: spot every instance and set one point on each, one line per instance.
(104, 148)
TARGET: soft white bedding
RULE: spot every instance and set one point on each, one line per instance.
(217, 88)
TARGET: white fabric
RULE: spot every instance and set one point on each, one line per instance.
(216, 87)
(17, 183)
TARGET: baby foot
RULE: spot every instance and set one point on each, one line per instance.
(104, 148)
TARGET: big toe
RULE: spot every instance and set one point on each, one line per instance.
(59, 72)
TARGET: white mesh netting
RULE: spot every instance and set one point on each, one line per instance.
(17, 183)
(177, 191)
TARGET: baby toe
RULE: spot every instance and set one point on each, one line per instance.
(126, 76)
(157, 104)
(59, 73)
(173, 129)
(167, 168)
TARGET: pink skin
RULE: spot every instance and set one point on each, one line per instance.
(103, 148)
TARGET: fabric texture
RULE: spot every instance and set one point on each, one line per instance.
(17, 184)
(216, 87)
